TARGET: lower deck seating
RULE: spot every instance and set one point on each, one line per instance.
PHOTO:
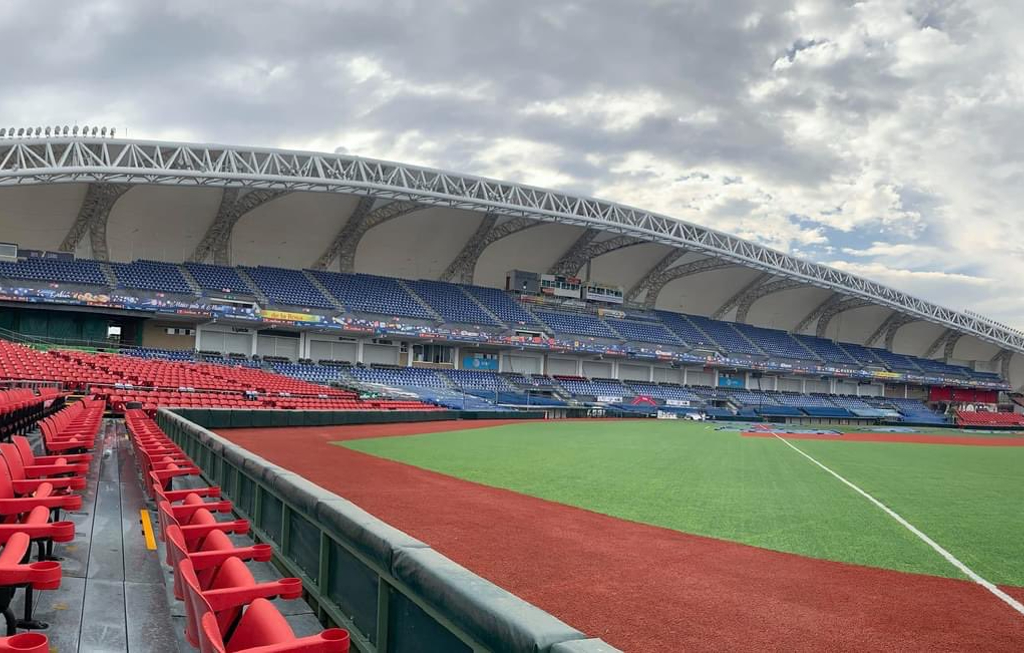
(225, 608)
(984, 418)
(35, 492)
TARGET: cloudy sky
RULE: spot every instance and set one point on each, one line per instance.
(881, 137)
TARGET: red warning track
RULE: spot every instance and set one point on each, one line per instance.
(640, 587)
(915, 438)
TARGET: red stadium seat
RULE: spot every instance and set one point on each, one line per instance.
(263, 629)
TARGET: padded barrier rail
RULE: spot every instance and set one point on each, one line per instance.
(215, 418)
(391, 591)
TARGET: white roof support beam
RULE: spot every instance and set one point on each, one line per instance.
(85, 159)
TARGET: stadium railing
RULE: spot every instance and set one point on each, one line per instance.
(386, 588)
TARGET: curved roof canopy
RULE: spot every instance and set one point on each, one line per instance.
(118, 161)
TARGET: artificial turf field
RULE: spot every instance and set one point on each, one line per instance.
(692, 477)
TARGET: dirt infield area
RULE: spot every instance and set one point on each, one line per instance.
(640, 587)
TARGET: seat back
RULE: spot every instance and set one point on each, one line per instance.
(12, 457)
(28, 457)
(233, 573)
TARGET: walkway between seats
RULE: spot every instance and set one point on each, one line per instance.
(112, 595)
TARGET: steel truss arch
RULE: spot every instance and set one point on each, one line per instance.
(92, 217)
(834, 309)
(746, 302)
(585, 249)
(749, 288)
(67, 160)
(233, 206)
(656, 284)
(463, 266)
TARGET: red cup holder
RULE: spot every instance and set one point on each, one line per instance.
(262, 552)
(291, 588)
(45, 575)
(334, 635)
(63, 531)
(27, 643)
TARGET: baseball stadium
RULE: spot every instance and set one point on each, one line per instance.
(264, 400)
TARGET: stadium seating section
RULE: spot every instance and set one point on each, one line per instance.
(450, 302)
(55, 271)
(289, 287)
(576, 324)
(983, 418)
(217, 278)
(225, 608)
(474, 305)
(151, 275)
(367, 293)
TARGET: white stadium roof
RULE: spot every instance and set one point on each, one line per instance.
(120, 199)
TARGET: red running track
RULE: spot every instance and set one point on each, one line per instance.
(640, 587)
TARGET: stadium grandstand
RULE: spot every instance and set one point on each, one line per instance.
(138, 276)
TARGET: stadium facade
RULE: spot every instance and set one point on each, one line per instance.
(303, 215)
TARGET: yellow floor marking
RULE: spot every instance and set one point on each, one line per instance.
(147, 530)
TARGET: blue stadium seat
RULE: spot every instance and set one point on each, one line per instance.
(775, 343)
(217, 278)
(399, 377)
(723, 333)
(576, 324)
(685, 329)
(501, 304)
(635, 331)
(826, 350)
(289, 287)
(367, 293)
(151, 275)
(448, 300)
(81, 271)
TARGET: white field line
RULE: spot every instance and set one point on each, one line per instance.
(970, 573)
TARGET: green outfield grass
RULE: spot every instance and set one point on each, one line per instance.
(689, 477)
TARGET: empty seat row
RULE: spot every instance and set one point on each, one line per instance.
(34, 490)
(225, 608)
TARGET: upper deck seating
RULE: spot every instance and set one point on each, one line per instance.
(367, 293)
(502, 305)
(151, 275)
(217, 278)
(289, 287)
(80, 271)
(576, 324)
(723, 333)
(448, 301)
(775, 343)
(643, 331)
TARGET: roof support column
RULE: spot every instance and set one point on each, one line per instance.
(92, 217)
(233, 205)
(463, 266)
